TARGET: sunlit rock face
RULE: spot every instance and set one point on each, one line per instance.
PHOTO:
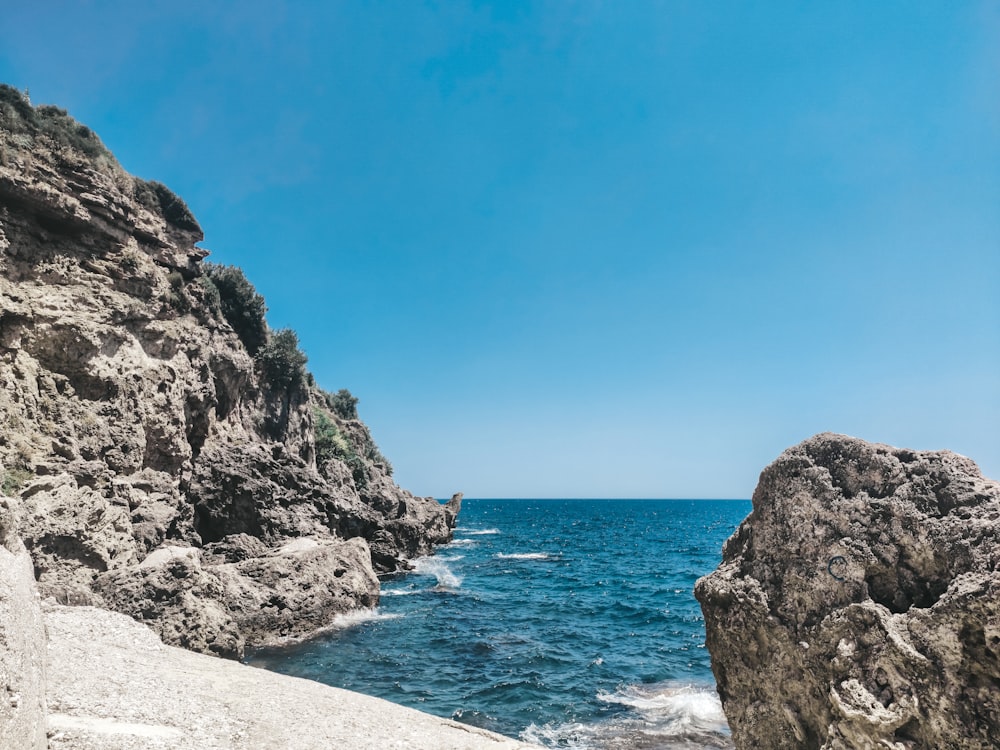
(161, 467)
(858, 605)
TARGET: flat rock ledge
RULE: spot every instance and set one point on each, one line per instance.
(858, 605)
(113, 685)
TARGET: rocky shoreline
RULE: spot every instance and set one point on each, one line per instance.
(83, 678)
(171, 457)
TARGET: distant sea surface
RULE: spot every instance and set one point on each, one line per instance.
(570, 623)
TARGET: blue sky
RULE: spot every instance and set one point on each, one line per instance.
(582, 249)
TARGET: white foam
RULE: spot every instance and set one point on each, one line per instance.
(664, 715)
(461, 543)
(359, 617)
(480, 532)
(435, 566)
(525, 556)
(673, 708)
(573, 736)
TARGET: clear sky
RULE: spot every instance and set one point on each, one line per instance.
(584, 249)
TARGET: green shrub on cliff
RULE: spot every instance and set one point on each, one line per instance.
(13, 480)
(176, 296)
(330, 443)
(281, 361)
(159, 198)
(342, 403)
(241, 306)
(18, 116)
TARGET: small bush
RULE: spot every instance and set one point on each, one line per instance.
(18, 116)
(159, 198)
(330, 442)
(342, 403)
(14, 479)
(211, 296)
(176, 297)
(241, 306)
(281, 361)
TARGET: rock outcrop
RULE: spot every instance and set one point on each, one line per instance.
(167, 449)
(858, 605)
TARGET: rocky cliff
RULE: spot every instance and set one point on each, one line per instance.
(170, 456)
(858, 605)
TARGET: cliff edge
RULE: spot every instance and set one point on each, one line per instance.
(170, 456)
(858, 605)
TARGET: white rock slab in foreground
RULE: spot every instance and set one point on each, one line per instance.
(113, 685)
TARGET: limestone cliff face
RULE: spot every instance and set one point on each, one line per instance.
(858, 606)
(162, 471)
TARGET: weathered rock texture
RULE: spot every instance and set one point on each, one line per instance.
(22, 642)
(162, 468)
(858, 605)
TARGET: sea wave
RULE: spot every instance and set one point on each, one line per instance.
(461, 543)
(435, 566)
(359, 617)
(479, 532)
(667, 716)
(526, 556)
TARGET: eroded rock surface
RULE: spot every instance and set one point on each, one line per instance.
(22, 642)
(162, 465)
(858, 605)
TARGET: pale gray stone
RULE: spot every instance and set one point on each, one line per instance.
(858, 606)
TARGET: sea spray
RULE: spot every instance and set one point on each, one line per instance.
(439, 569)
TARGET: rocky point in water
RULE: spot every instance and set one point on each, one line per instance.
(858, 605)
(165, 454)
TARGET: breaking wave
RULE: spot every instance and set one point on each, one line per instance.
(359, 617)
(664, 716)
(438, 568)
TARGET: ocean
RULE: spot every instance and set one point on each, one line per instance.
(570, 623)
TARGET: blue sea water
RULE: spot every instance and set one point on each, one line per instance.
(570, 623)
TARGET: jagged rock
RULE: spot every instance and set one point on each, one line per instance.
(298, 589)
(858, 606)
(138, 423)
(179, 598)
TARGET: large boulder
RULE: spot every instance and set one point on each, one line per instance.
(858, 605)
(259, 598)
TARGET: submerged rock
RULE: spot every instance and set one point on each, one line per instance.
(858, 605)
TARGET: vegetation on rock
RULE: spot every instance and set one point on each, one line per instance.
(281, 361)
(158, 197)
(341, 403)
(240, 304)
(18, 116)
